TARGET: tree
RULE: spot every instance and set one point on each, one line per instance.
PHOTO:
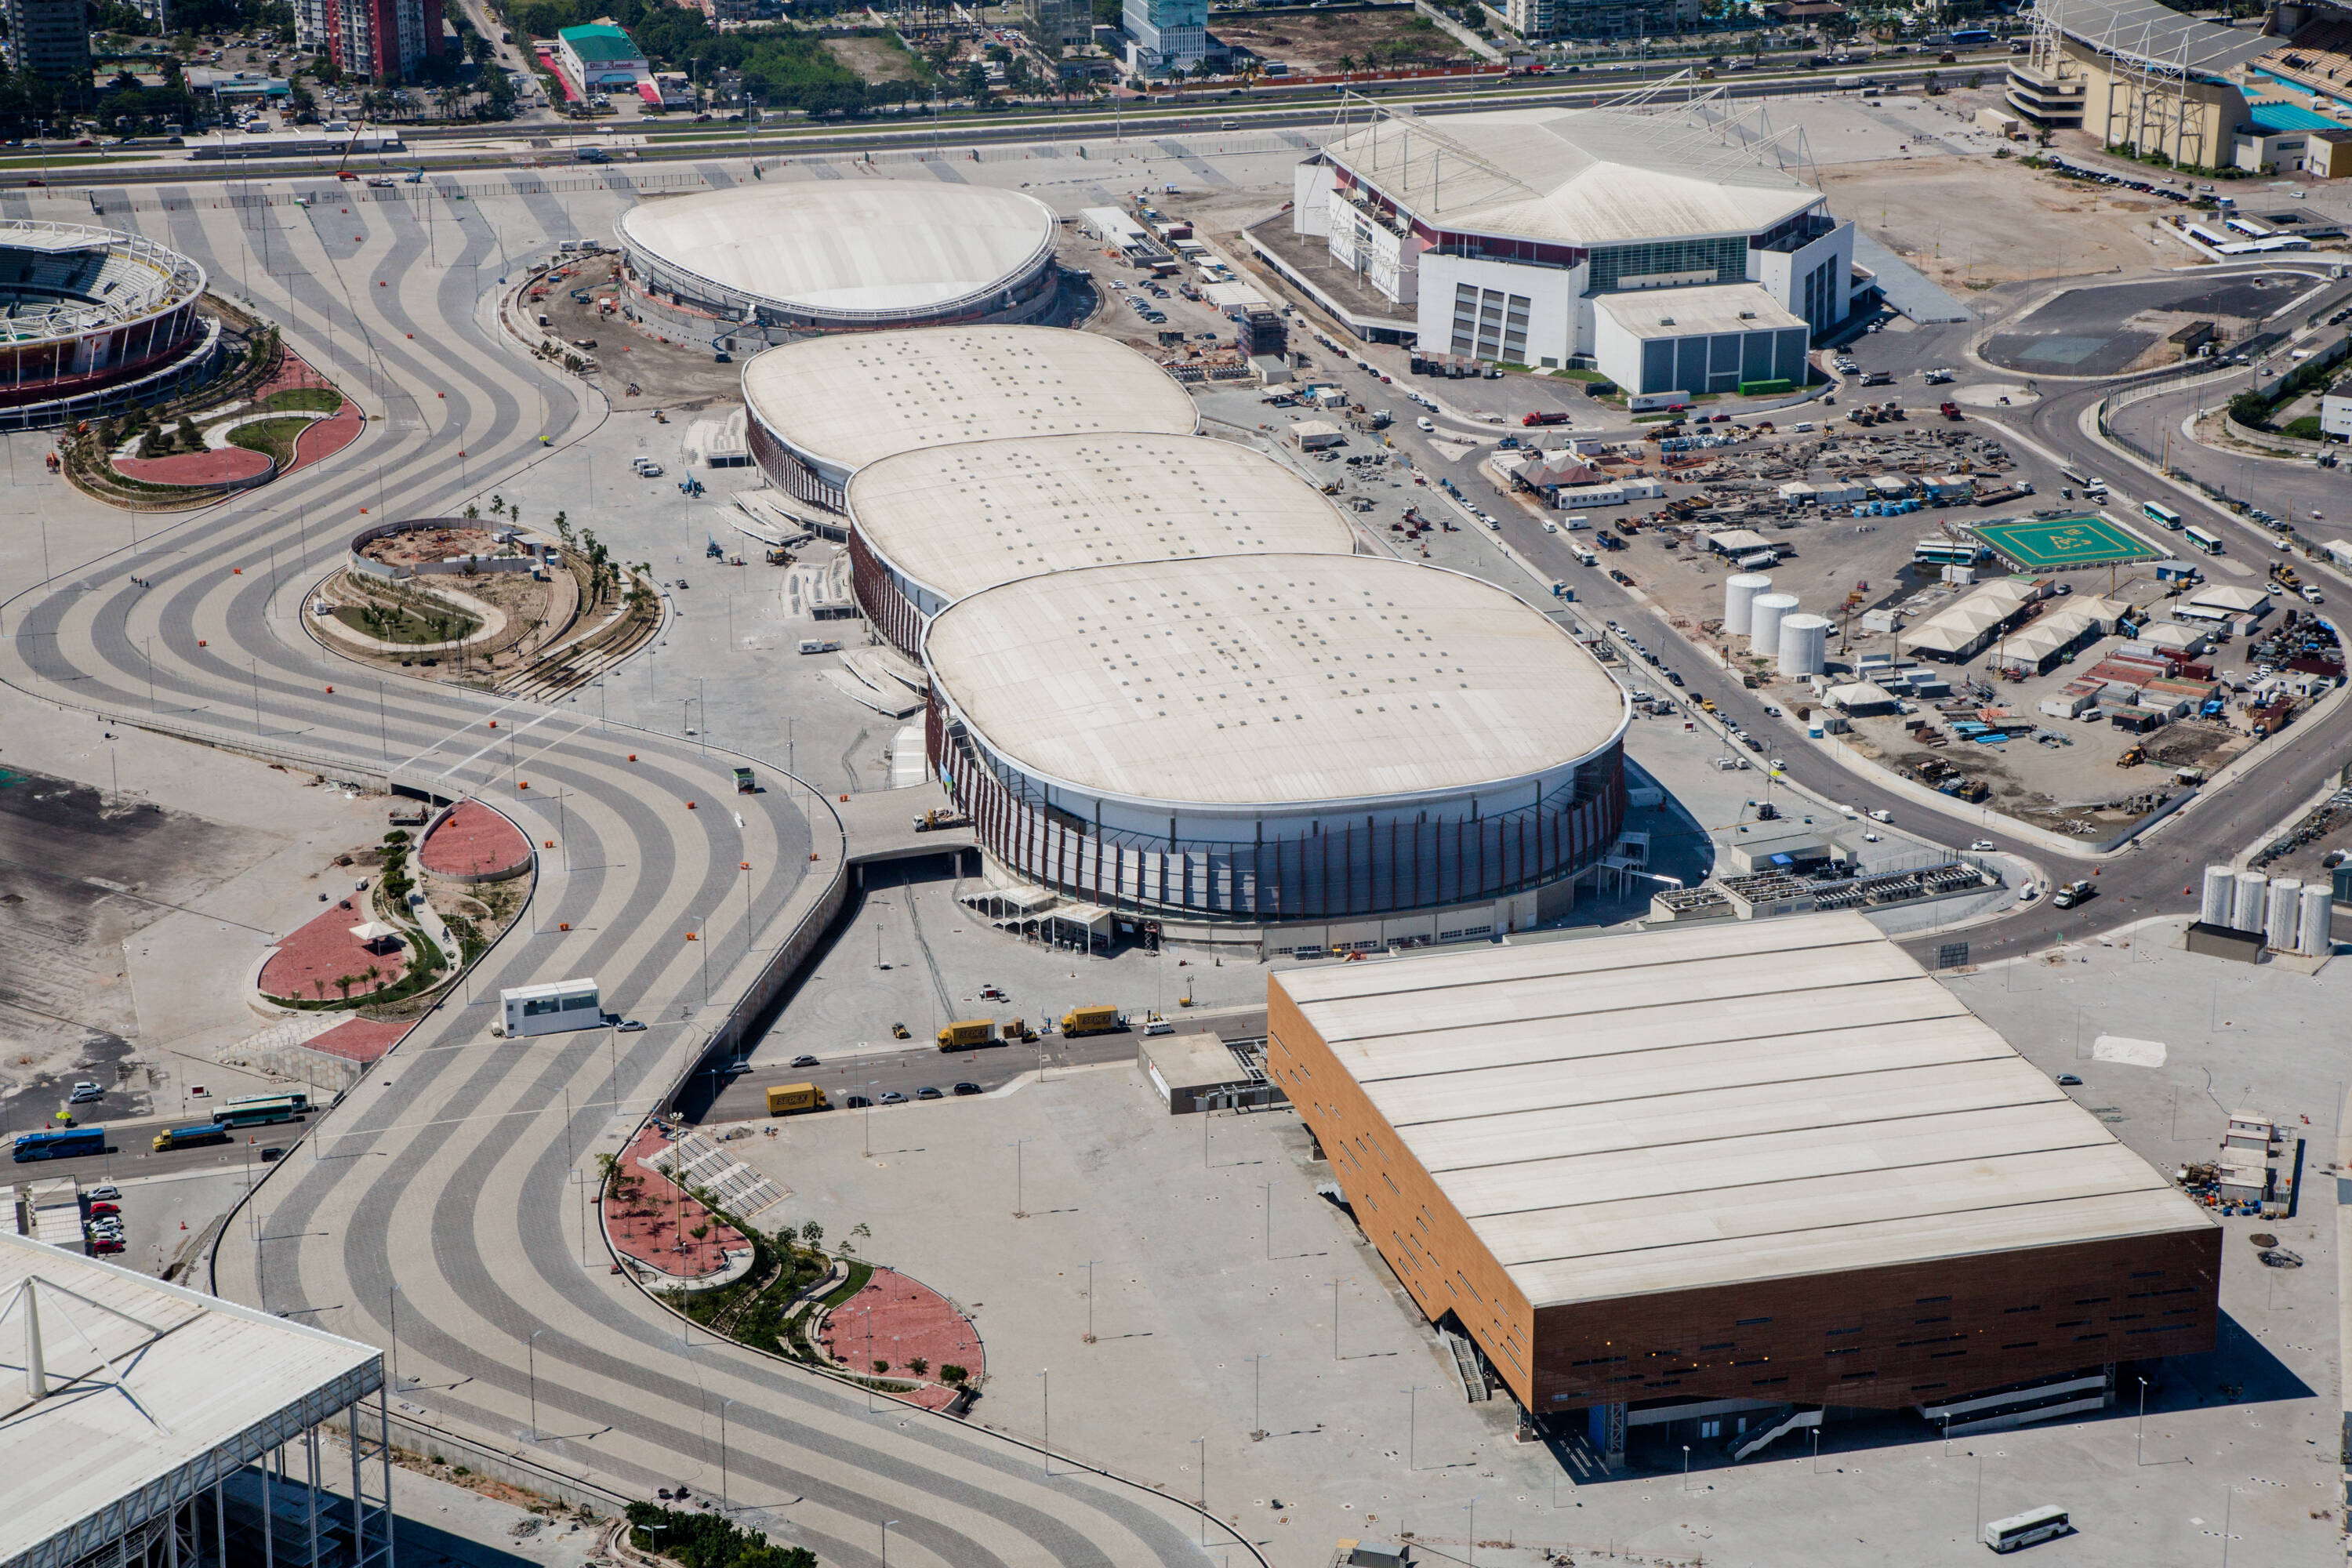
(813, 1234)
(344, 983)
(881, 1366)
(190, 437)
(953, 1375)
(917, 1365)
(563, 528)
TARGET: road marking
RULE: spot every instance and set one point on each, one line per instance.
(489, 745)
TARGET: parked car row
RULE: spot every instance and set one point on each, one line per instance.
(101, 1222)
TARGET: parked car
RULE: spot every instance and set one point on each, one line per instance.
(892, 1097)
(2068, 1080)
(857, 1102)
(108, 1193)
(928, 1092)
(98, 1210)
(968, 1087)
(269, 1154)
(84, 1092)
(631, 1025)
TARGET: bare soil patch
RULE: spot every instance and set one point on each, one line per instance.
(1984, 221)
(1314, 42)
(874, 59)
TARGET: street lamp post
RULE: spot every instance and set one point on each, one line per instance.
(1413, 1427)
(1046, 1383)
(2139, 1453)
(1202, 1444)
(1685, 1466)
(531, 1360)
(886, 1542)
(722, 1454)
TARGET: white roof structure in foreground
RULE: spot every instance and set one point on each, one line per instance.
(1958, 625)
(1720, 1106)
(1248, 679)
(154, 1392)
(1580, 176)
(959, 519)
(847, 401)
(1708, 308)
(830, 245)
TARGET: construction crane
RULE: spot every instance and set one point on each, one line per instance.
(341, 170)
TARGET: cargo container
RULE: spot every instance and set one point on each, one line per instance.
(790, 1099)
(1099, 1019)
(966, 1032)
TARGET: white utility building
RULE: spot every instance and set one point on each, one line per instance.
(1519, 236)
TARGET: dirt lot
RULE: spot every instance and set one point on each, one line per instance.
(634, 367)
(1977, 221)
(1314, 42)
(874, 59)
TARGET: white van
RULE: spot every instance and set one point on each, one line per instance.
(1550, 527)
(819, 645)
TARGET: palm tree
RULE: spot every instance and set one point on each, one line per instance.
(344, 983)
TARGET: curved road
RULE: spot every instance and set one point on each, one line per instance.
(436, 1212)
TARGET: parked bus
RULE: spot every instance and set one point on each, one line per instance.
(2162, 515)
(192, 1135)
(1948, 552)
(255, 1109)
(2026, 1529)
(2208, 543)
(62, 1144)
(1971, 38)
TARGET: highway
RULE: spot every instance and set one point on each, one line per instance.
(447, 1175)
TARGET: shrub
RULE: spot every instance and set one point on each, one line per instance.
(917, 1365)
(953, 1375)
(708, 1541)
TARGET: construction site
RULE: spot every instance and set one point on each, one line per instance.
(1892, 576)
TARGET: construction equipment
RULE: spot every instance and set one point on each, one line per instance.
(898, 1032)
(2133, 756)
(341, 172)
(934, 820)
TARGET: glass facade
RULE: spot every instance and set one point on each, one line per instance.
(1685, 261)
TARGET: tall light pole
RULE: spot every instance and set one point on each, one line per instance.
(722, 1453)
(392, 1306)
(1202, 1444)
(1090, 1298)
(530, 1361)
(1257, 1397)
(1046, 1383)
(1413, 1427)
(1473, 1507)
(886, 1542)
(1020, 1205)
(2139, 1453)
(1685, 1466)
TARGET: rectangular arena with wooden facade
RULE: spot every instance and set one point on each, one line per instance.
(1735, 1168)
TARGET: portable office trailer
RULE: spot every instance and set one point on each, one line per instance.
(553, 1008)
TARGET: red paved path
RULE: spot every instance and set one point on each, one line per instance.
(222, 466)
(325, 438)
(907, 1319)
(474, 840)
(359, 1040)
(307, 962)
(656, 1227)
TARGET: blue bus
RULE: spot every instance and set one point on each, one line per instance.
(62, 1144)
(1970, 38)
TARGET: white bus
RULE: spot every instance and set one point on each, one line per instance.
(2162, 516)
(2208, 543)
(1948, 552)
(2026, 1529)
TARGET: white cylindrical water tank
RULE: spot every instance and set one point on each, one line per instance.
(1739, 592)
(2246, 901)
(1764, 622)
(2278, 921)
(2315, 929)
(2213, 907)
(1804, 645)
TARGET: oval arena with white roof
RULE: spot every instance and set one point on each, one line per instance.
(1279, 737)
(930, 528)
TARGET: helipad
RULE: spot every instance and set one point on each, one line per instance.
(2057, 543)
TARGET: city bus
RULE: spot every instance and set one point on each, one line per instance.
(2162, 516)
(1948, 552)
(255, 1109)
(62, 1144)
(2026, 1529)
(2211, 543)
(194, 1135)
(1971, 38)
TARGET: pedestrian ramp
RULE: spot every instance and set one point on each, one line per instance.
(701, 1165)
(1905, 286)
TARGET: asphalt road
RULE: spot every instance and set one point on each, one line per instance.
(447, 1174)
(131, 1153)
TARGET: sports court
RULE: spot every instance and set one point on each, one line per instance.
(2057, 543)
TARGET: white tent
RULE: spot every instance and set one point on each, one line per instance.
(1959, 630)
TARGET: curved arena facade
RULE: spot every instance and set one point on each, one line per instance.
(91, 318)
(773, 262)
(1274, 738)
(930, 528)
(821, 409)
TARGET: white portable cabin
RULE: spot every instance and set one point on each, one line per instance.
(553, 1008)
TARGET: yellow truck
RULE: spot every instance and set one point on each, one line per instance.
(1099, 1019)
(791, 1099)
(968, 1032)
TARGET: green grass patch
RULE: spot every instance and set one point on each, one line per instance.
(301, 399)
(859, 1273)
(274, 437)
(56, 162)
(2307, 428)
(406, 627)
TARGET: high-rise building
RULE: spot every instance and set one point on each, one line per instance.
(1537, 20)
(384, 40)
(1167, 35)
(51, 38)
(1055, 25)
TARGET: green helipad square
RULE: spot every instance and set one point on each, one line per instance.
(2056, 543)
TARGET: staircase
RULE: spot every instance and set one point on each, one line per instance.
(1755, 1441)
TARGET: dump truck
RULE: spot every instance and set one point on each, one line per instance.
(791, 1099)
(1099, 1019)
(744, 782)
(968, 1032)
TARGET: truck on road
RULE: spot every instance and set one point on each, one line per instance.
(968, 1032)
(2071, 894)
(1099, 1019)
(791, 1099)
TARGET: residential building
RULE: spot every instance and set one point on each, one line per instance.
(383, 40)
(51, 38)
(2336, 411)
(1536, 20)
